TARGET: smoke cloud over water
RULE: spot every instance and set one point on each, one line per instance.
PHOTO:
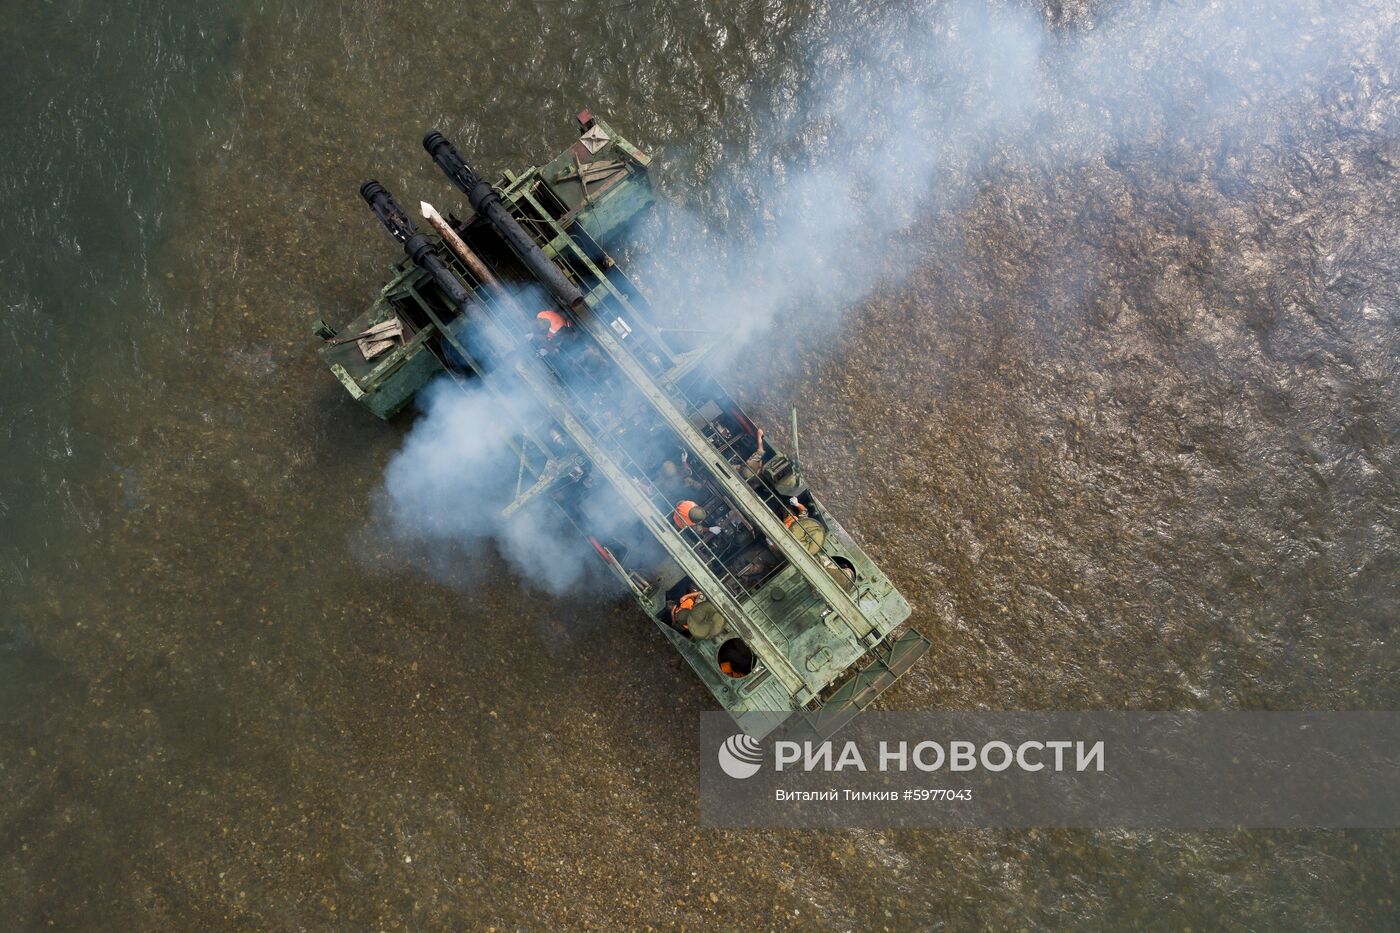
(914, 111)
(911, 113)
(447, 485)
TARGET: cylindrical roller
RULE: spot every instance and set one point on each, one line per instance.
(486, 202)
(418, 247)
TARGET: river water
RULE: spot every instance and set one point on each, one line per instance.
(1121, 425)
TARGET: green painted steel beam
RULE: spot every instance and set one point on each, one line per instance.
(771, 654)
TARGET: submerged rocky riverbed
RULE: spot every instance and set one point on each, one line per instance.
(1118, 416)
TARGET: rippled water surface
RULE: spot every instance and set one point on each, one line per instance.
(1120, 421)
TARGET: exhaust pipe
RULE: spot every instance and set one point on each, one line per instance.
(418, 247)
(486, 202)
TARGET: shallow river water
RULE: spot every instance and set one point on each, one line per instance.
(1119, 419)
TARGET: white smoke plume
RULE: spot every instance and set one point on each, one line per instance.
(912, 109)
(455, 473)
(903, 112)
(451, 478)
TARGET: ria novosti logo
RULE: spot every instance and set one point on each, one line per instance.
(740, 756)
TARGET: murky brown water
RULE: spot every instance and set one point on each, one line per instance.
(1126, 437)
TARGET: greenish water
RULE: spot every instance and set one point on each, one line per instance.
(1125, 433)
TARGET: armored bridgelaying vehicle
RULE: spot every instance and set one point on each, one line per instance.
(624, 429)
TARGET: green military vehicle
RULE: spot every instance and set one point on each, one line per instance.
(624, 429)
